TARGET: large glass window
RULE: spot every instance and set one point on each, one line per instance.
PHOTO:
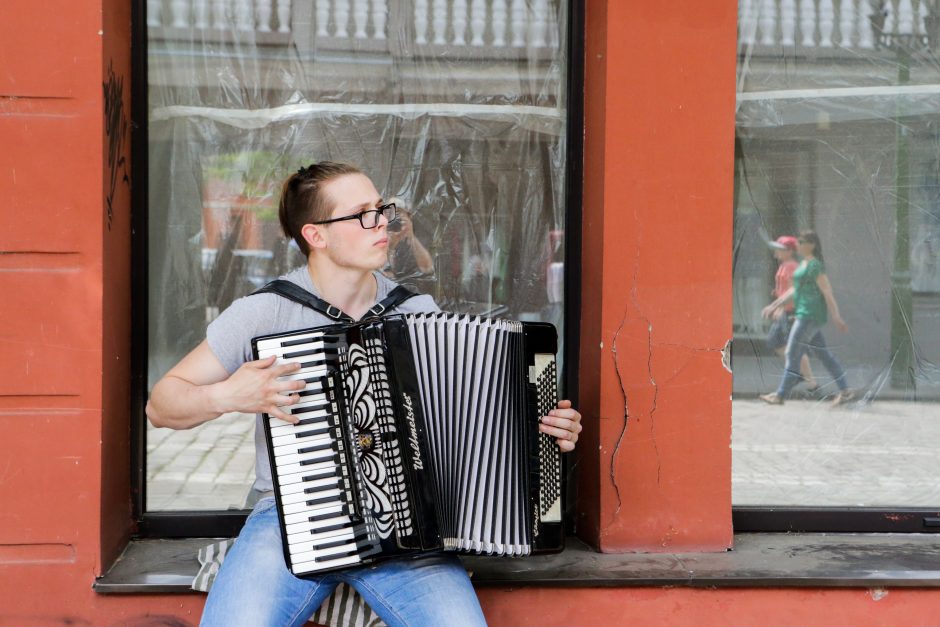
(838, 130)
(454, 107)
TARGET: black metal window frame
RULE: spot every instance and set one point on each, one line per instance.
(221, 523)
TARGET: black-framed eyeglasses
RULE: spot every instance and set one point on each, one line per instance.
(368, 219)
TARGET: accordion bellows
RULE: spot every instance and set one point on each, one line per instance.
(417, 433)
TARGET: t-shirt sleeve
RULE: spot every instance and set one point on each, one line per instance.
(229, 336)
(813, 269)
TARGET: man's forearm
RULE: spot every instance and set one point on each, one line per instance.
(179, 404)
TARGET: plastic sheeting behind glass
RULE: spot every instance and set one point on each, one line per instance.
(453, 107)
(838, 131)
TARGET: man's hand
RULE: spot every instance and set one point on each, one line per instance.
(254, 388)
(564, 423)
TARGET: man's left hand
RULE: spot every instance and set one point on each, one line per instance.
(564, 423)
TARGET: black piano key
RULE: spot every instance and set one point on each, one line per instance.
(324, 500)
(336, 556)
(309, 408)
(311, 421)
(326, 474)
(335, 527)
(303, 340)
(313, 363)
(321, 381)
(336, 543)
(322, 488)
(320, 431)
(317, 447)
(343, 511)
(331, 352)
(308, 462)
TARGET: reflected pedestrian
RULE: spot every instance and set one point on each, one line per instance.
(813, 305)
(408, 258)
(785, 253)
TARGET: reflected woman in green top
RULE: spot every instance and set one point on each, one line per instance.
(813, 305)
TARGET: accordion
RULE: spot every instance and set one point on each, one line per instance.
(416, 433)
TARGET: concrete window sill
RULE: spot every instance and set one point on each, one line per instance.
(758, 560)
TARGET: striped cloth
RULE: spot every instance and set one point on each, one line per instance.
(345, 608)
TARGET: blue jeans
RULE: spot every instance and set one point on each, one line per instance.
(806, 337)
(254, 587)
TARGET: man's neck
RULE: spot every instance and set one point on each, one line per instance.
(353, 291)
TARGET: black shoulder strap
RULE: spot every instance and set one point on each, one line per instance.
(395, 298)
(294, 292)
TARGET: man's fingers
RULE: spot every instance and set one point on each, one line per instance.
(282, 415)
(287, 368)
(562, 423)
(564, 439)
(267, 362)
(282, 387)
(558, 432)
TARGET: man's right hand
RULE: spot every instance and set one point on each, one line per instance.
(254, 388)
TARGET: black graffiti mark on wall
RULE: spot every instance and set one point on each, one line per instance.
(115, 128)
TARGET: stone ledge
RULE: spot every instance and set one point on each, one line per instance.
(758, 560)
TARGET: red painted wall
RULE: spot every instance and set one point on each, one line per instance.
(51, 311)
(684, 607)
(659, 133)
(658, 130)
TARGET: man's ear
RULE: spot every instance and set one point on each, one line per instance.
(314, 236)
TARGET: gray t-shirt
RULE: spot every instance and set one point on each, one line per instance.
(230, 335)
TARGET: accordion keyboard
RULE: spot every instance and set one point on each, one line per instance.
(322, 524)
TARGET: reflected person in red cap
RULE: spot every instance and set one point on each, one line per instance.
(813, 306)
(785, 253)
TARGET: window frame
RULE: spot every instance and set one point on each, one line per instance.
(227, 523)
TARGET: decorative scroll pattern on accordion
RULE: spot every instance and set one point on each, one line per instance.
(417, 433)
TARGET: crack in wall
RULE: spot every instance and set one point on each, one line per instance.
(623, 391)
(626, 415)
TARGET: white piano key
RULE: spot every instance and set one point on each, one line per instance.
(310, 556)
(279, 427)
(295, 473)
(302, 358)
(326, 522)
(302, 499)
(294, 460)
(301, 568)
(267, 348)
(309, 510)
(293, 488)
(287, 439)
(309, 402)
(307, 527)
(288, 443)
(306, 541)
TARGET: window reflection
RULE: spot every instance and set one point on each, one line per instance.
(837, 132)
(456, 111)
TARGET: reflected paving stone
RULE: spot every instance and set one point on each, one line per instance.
(812, 454)
(209, 467)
